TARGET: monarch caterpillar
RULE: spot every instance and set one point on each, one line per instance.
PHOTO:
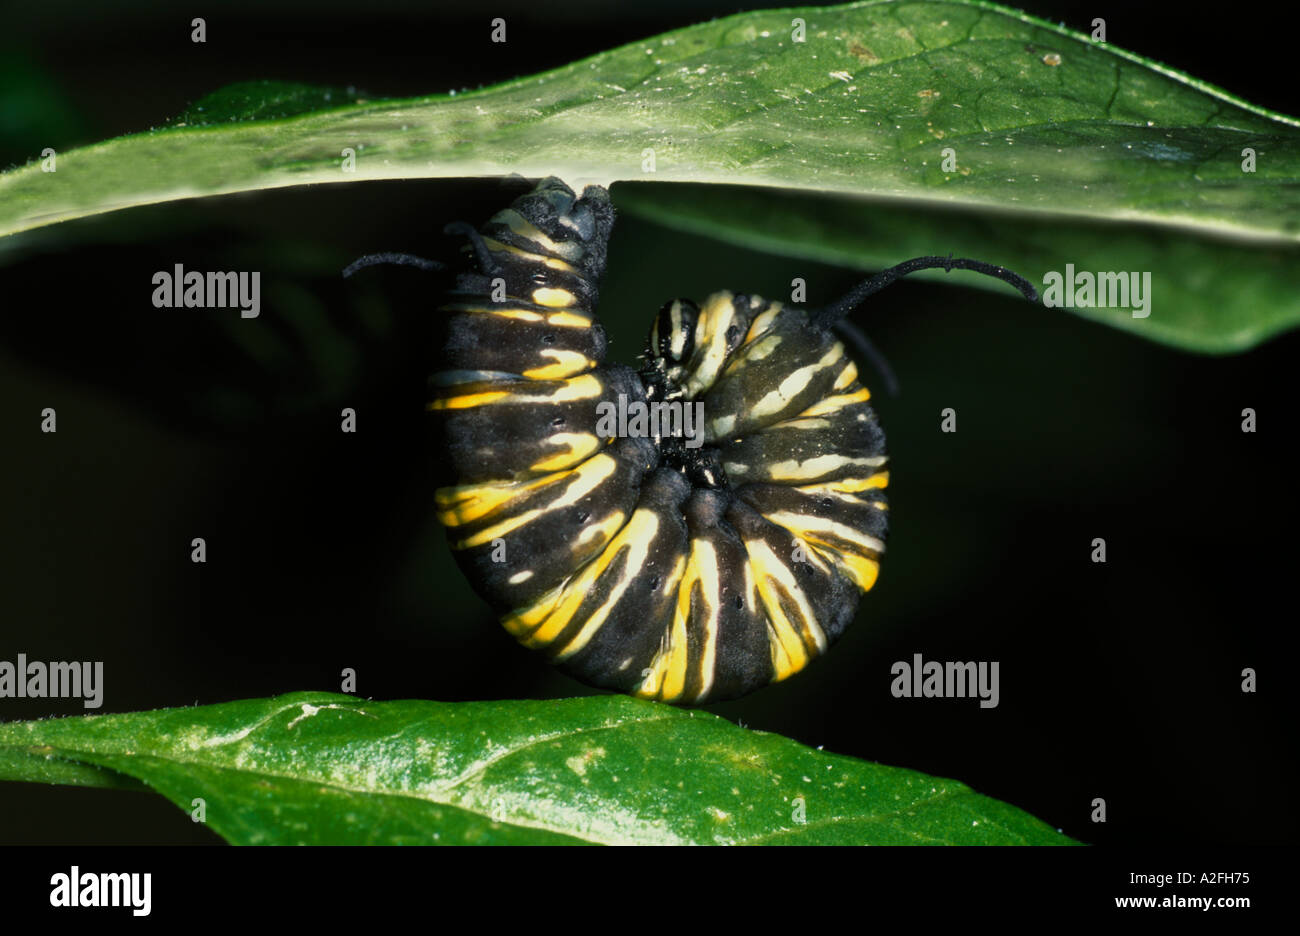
(637, 561)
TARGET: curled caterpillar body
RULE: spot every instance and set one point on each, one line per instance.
(685, 571)
(679, 561)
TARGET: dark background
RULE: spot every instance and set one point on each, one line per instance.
(1118, 680)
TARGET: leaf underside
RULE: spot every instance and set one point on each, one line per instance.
(1206, 294)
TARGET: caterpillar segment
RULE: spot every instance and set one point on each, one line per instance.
(486, 337)
(847, 442)
(506, 427)
(846, 531)
(544, 527)
(781, 368)
(607, 622)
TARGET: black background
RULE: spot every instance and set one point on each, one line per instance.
(1119, 680)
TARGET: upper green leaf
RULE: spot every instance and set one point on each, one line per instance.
(1038, 117)
(315, 768)
(1207, 294)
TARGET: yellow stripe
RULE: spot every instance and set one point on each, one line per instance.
(577, 446)
(525, 228)
(792, 470)
(860, 569)
(716, 316)
(811, 527)
(576, 388)
(461, 505)
(638, 551)
(835, 542)
(848, 485)
(762, 323)
(675, 671)
(567, 364)
(468, 401)
(568, 320)
(667, 677)
(464, 504)
(521, 315)
(706, 560)
(497, 247)
(830, 404)
(603, 530)
(552, 614)
(677, 341)
(589, 477)
(565, 319)
(501, 311)
(757, 351)
(802, 424)
(554, 298)
(581, 387)
(501, 529)
(782, 666)
(774, 579)
(794, 383)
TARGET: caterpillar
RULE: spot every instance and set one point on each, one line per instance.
(686, 569)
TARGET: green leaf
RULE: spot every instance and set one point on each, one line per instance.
(1041, 119)
(316, 768)
(39, 763)
(1208, 294)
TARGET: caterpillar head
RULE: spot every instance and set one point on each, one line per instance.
(669, 346)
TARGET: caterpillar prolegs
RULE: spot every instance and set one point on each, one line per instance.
(684, 569)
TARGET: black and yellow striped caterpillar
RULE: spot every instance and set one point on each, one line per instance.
(674, 567)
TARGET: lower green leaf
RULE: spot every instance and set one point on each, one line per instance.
(317, 768)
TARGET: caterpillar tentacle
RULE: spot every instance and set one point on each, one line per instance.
(854, 299)
(397, 259)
